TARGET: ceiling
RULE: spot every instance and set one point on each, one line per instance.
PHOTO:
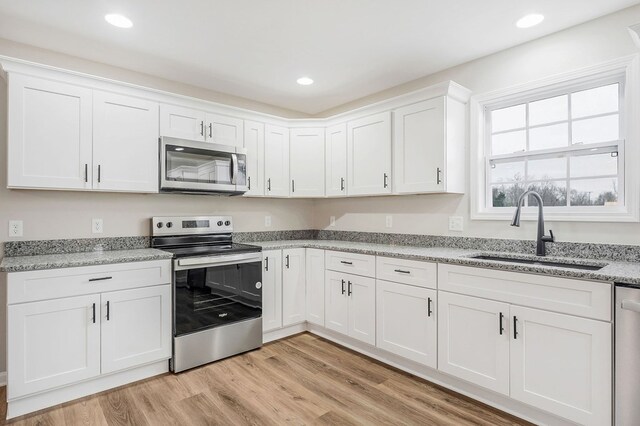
(258, 48)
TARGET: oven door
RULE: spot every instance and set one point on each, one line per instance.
(214, 291)
(191, 166)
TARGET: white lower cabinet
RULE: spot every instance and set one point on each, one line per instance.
(350, 305)
(135, 327)
(293, 286)
(271, 290)
(52, 343)
(473, 340)
(562, 364)
(314, 269)
(406, 321)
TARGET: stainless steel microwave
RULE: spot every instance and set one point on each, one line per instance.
(202, 167)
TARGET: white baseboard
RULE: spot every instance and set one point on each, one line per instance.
(281, 333)
(3, 378)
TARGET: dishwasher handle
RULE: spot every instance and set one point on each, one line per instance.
(630, 305)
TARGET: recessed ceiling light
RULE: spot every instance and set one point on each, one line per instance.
(530, 20)
(118, 20)
(304, 81)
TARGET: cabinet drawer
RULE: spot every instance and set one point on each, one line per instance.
(414, 272)
(55, 283)
(565, 295)
(352, 263)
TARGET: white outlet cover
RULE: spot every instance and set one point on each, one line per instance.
(97, 226)
(16, 228)
(389, 221)
(332, 221)
(456, 223)
(267, 221)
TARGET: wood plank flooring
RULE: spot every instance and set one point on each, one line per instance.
(300, 380)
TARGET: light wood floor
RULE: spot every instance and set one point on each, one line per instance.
(300, 380)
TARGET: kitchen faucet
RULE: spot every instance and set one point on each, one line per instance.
(542, 239)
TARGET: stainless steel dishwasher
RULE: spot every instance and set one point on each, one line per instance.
(627, 355)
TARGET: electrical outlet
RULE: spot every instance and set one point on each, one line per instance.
(332, 221)
(456, 223)
(267, 221)
(97, 226)
(389, 221)
(15, 228)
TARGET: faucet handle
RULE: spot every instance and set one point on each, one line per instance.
(549, 238)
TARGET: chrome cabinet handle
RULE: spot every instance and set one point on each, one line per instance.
(86, 173)
(402, 271)
(108, 310)
(286, 261)
(266, 263)
(349, 288)
(94, 313)
(210, 130)
(249, 183)
(385, 180)
(100, 279)
(429, 311)
(500, 326)
(515, 327)
(269, 184)
(293, 185)
(438, 179)
(342, 286)
(99, 174)
(341, 184)
(202, 128)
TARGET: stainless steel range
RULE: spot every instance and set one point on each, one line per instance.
(217, 289)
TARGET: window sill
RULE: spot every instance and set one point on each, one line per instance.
(621, 216)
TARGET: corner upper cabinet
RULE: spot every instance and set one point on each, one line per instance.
(336, 160)
(306, 160)
(254, 144)
(276, 161)
(369, 155)
(183, 123)
(125, 143)
(429, 147)
(49, 134)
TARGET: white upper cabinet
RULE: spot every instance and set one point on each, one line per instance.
(428, 147)
(254, 144)
(293, 286)
(125, 143)
(183, 123)
(306, 161)
(276, 161)
(336, 160)
(224, 130)
(49, 134)
(369, 155)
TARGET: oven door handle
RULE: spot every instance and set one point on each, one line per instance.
(234, 168)
(213, 261)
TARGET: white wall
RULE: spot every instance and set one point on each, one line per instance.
(584, 45)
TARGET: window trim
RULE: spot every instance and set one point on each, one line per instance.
(627, 71)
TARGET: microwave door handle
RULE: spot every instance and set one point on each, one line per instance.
(234, 168)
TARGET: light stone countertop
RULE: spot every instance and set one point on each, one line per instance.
(621, 272)
(69, 260)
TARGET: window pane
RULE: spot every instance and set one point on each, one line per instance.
(506, 195)
(507, 172)
(553, 193)
(507, 143)
(548, 168)
(594, 192)
(549, 110)
(594, 165)
(508, 118)
(600, 100)
(556, 136)
(594, 130)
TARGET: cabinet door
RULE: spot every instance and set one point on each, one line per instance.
(336, 160)
(562, 364)
(276, 161)
(361, 292)
(306, 162)
(406, 321)
(184, 123)
(225, 130)
(336, 302)
(473, 340)
(293, 286)
(314, 266)
(369, 155)
(254, 144)
(49, 134)
(136, 327)
(418, 147)
(271, 290)
(52, 343)
(125, 143)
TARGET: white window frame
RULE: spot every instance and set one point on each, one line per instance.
(626, 70)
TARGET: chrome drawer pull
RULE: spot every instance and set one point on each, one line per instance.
(346, 263)
(100, 279)
(401, 271)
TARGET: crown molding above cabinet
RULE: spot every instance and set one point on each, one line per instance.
(59, 121)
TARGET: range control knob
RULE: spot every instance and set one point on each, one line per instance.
(169, 224)
(228, 223)
(219, 223)
(159, 225)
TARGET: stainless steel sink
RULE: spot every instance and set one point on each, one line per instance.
(529, 261)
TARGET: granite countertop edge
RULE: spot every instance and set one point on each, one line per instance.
(70, 260)
(612, 272)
